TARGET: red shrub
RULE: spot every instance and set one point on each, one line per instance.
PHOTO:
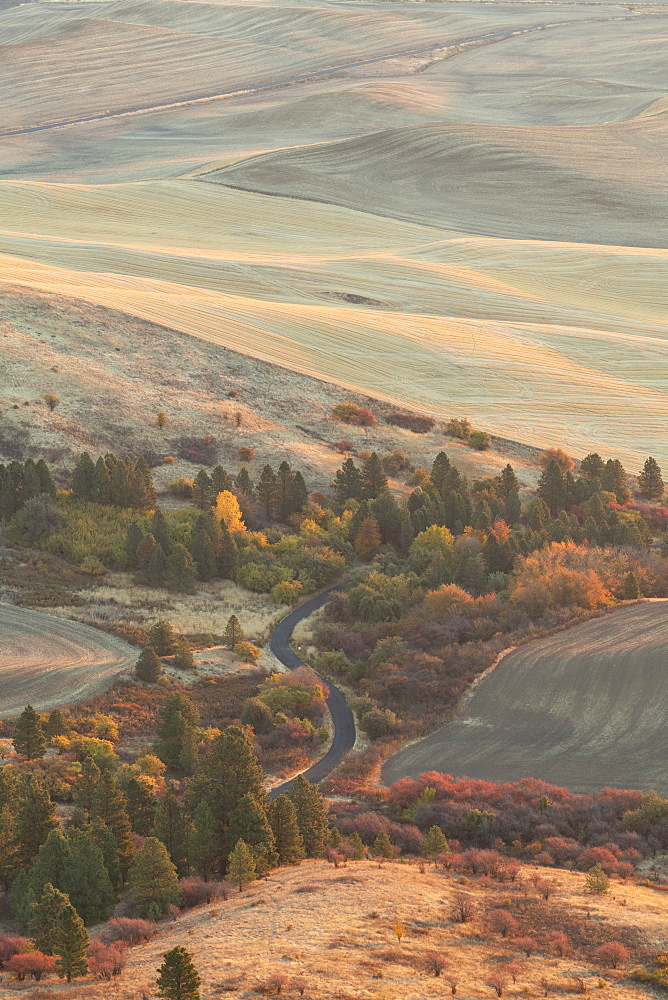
(31, 963)
(597, 856)
(106, 961)
(10, 945)
(613, 954)
(434, 962)
(196, 891)
(501, 922)
(411, 422)
(351, 413)
(526, 944)
(559, 941)
(128, 930)
(498, 984)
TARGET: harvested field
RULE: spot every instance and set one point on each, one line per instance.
(47, 661)
(584, 708)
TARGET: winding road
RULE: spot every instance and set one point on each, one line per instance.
(342, 717)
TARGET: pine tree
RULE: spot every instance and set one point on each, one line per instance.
(267, 492)
(508, 482)
(35, 818)
(149, 666)
(241, 865)
(513, 507)
(650, 481)
(551, 488)
(56, 724)
(204, 841)
(385, 512)
(348, 482)
(311, 815)
(299, 492)
(367, 539)
(288, 840)
(44, 914)
(141, 806)
(28, 735)
(7, 838)
(109, 807)
(285, 490)
(615, 480)
(356, 846)
(228, 557)
(153, 567)
(89, 778)
(146, 497)
(183, 656)
(244, 484)
(50, 865)
(221, 481)
(101, 482)
(597, 882)
(176, 732)
(160, 531)
(382, 846)
(46, 483)
(249, 823)
(374, 480)
(233, 632)
(69, 942)
(162, 638)
(83, 478)
(202, 551)
(171, 829)
(178, 978)
(101, 835)
(631, 587)
(592, 466)
(152, 880)
(87, 881)
(434, 843)
(202, 490)
(180, 573)
(439, 469)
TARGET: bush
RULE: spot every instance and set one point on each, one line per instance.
(434, 962)
(106, 961)
(460, 429)
(462, 910)
(195, 891)
(128, 930)
(613, 954)
(247, 652)
(32, 963)
(480, 440)
(501, 922)
(246, 453)
(350, 413)
(411, 422)
(10, 945)
(181, 488)
(198, 450)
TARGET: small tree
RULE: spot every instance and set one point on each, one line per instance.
(434, 843)
(597, 882)
(368, 539)
(247, 652)
(149, 666)
(32, 963)
(382, 846)
(434, 962)
(161, 419)
(356, 846)
(650, 481)
(631, 587)
(162, 638)
(498, 984)
(462, 910)
(501, 922)
(480, 440)
(178, 978)
(241, 865)
(399, 930)
(612, 953)
(69, 942)
(234, 634)
(153, 881)
(51, 400)
(28, 735)
(183, 657)
(526, 944)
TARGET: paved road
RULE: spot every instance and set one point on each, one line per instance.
(48, 661)
(179, 102)
(342, 717)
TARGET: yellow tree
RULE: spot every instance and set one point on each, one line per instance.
(229, 511)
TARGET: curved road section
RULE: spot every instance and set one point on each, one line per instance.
(342, 717)
(47, 661)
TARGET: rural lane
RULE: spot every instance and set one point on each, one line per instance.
(342, 717)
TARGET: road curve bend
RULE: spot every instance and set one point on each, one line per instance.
(342, 717)
(48, 661)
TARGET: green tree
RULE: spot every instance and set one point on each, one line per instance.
(171, 828)
(234, 633)
(434, 843)
(35, 818)
(104, 838)
(83, 478)
(312, 817)
(152, 881)
(221, 481)
(650, 481)
(374, 480)
(631, 587)
(249, 823)
(44, 914)
(160, 530)
(348, 482)
(203, 553)
(177, 732)
(382, 846)
(89, 778)
(183, 657)
(87, 881)
(109, 807)
(267, 492)
(141, 806)
(615, 480)
(180, 573)
(592, 466)
(597, 882)
(56, 724)
(50, 865)
(508, 482)
(203, 845)
(69, 942)
(357, 849)
(149, 666)
(258, 716)
(202, 490)
(28, 735)
(287, 838)
(241, 865)
(439, 469)
(177, 976)
(551, 488)
(162, 638)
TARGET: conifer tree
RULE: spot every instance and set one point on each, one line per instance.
(513, 507)
(508, 482)
(202, 490)
(631, 587)
(551, 488)
(160, 531)
(440, 467)
(244, 484)
(101, 835)
(162, 638)
(434, 843)
(141, 806)
(228, 557)
(101, 482)
(357, 849)
(241, 865)
(233, 632)
(374, 480)
(35, 818)
(348, 482)
(385, 511)
(180, 573)
(46, 483)
(145, 495)
(83, 478)
(44, 914)
(614, 480)
(7, 844)
(368, 539)
(204, 841)
(202, 551)
(50, 865)
(597, 882)
(288, 840)
(221, 481)
(299, 492)
(28, 735)
(183, 655)
(249, 822)
(89, 778)
(69, 942)
(229, 771)
(153, 566)
(177, 733)
(267, 492)
(285, 489)
(650, 481)
(109, 807)
(172, 829)
(56, 724)
(149, 666)
(152, 880)
(312, 819)
(592, 466)
(87, 881)
(177, 976)
(382, 846)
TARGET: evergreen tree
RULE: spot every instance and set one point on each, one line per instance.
(35, 818)
(56, 724)
(83, 478)
(101, 482)
(631, 587)
(162, 638)
(299, 492)
(538, 514)
(258, 716)
(312, 819)
(614, 480)
(508, 482)
(180, 572)
(152, 564)
(176, 732)
(50, 865)
(241, 865)
(145, 496)
(46, 483)
(202, 551)
(513, 507)
(141, 806)
(28, 735)
(101, 835)
(434, 843)
(203, 490)
(440, 467)
(356, 846)
(597, 882)
(228, 557)
(243, 484)
(267, 492)
(203, 848)
(172, 829)
(178, 978)
(368, 539)
(69, 942)
(233, 632)
(7, 844)
(382, 846)
(348, 482)
(592, 466)
(374, 480)
(249, 823)
(221, 481)
(551, 488)
(152, 880)
(385, 512)
(87, 881)
(183, 657)
(160, 531)
(334, 838)
(109, 807)
(288, 840)
(89, 778)
(44, 914)
(149, 666)
(498, 557)
(650, 481)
